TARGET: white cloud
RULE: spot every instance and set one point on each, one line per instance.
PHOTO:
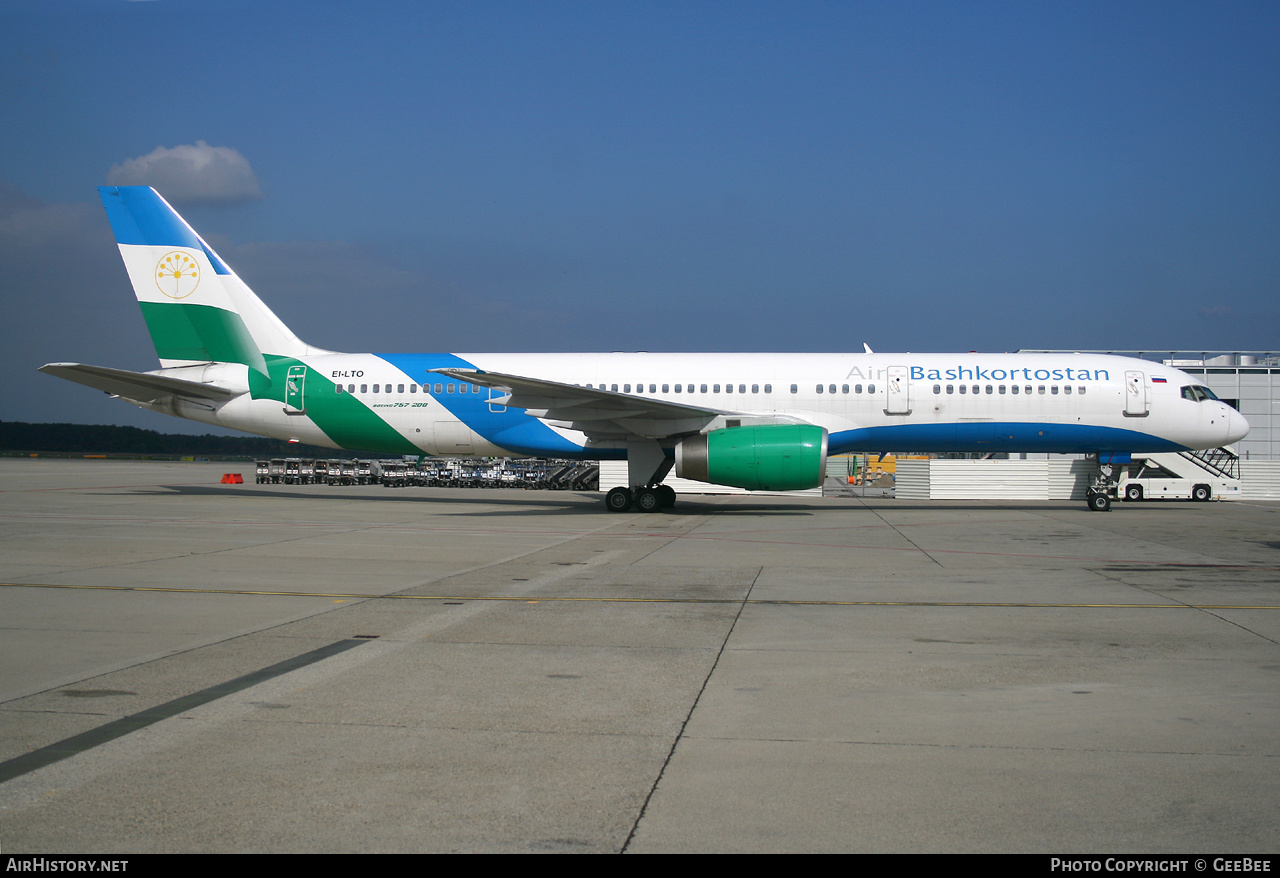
(199, 173)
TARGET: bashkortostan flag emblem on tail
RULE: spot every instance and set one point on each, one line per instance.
(177, 275)
(196, 308)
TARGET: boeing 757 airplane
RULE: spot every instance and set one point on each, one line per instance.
(757, 421)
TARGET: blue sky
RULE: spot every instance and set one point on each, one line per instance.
(480, 176)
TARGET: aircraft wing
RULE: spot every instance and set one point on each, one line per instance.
(138, 386)
(598, 413)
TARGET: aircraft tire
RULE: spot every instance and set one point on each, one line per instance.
(667, 495)
(1133, 493)
(648, 500)
(618, 500)
(1099, 502)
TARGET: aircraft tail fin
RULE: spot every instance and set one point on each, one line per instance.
(196, 308)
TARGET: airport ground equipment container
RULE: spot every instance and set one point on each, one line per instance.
(1203, 475)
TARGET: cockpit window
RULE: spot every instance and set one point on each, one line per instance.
(1197, 393)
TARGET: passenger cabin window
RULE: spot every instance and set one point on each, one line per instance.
(795, 388)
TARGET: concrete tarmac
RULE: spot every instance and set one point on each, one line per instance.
(522, 671)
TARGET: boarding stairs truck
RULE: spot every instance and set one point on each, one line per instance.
(1211, 474)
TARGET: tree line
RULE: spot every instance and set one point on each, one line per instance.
(16, 436)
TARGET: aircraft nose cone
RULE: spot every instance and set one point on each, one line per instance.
(1237, 427)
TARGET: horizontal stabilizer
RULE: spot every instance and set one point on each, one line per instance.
(139, 386)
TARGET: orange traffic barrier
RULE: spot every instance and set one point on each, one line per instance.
(232, 479)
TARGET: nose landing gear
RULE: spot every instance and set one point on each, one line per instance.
(1098, 501)
(1103, 488)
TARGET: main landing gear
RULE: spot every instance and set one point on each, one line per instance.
(647, 465)
(646, 498)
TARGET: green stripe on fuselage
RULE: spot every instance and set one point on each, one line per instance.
(342, 416)
(201, 333)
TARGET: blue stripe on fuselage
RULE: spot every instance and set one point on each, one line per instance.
(510, 428)
(998, 436)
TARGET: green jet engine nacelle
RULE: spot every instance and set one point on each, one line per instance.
(767, 457)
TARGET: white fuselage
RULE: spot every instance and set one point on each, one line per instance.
(1082, 403)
